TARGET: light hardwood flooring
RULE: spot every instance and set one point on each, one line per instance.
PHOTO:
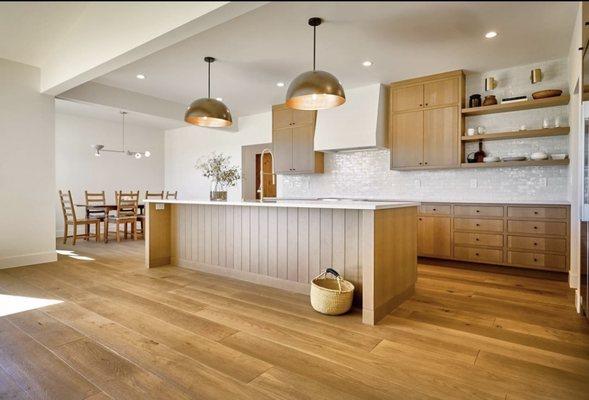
(126, 332)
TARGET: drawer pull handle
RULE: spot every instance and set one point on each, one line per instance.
(434, 209)
(476, 254)
(535, 212)
(420, 219)
(535, 244)
(477, 239)
(535, 260)
(478, 211)
(478, 224)
(535, 227)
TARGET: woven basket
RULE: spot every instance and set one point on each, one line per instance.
(331, 296)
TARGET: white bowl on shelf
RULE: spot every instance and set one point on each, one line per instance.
(490, 159)
(539, 155)
(560, 156)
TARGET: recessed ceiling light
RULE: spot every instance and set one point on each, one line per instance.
(367, 63)
(490, 35)
(219, 99)
(140, 76)
(280, 84)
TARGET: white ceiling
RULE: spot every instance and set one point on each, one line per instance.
(114, 115)
(403, 39)
(31, 31)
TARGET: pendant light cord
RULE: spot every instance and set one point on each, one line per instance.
(314, 45)
(123, 114)
(209, 91)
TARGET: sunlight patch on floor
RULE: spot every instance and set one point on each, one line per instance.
(74, 255)
(15, 304)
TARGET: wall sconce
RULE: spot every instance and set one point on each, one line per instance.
(536, 75)
(490, 84)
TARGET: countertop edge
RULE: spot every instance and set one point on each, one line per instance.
(345, 205)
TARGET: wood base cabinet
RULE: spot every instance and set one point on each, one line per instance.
(524, 236)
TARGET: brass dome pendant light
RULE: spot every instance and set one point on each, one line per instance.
(315, 90)
(208, 112)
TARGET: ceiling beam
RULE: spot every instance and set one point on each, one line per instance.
(108, 36)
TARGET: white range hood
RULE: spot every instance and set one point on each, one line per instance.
(360, 123)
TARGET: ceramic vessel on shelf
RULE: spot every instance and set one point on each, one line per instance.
(481, 130)
(470, 131)
(513, 158)
(490, 159)
(474, 100)
(544, 94)
(490, 100)
(561, 156)
(539, 155)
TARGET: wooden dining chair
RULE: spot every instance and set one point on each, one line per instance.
(152, 195)
(141, 216)
(125, 214)
(172, 195)
(70, 218)
(95, 199)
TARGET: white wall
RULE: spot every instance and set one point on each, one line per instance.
(27, 179)
(185, 146)
(77, 169)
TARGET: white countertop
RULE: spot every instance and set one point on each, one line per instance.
(462, 201)
(334, 204)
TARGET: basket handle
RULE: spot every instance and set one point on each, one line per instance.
(338, 278)
(332, 272)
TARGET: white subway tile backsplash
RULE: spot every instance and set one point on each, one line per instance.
(366, 174)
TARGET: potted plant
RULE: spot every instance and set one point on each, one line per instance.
(222, 174)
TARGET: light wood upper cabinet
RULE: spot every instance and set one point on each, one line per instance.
(425, 121)
(407, 142)
(300, 117)
(440, 143)
(441, 93)
(282, 118)
(293, 137)
(407, 98)
(434, 236)
(282, 144)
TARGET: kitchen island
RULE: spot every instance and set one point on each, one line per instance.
(285, 244)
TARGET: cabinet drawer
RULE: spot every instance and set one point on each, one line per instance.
(476, 224)
(537, 244)
(479, 211)
(537, 212)
(478, 254)
(537, 227)
(478, 239)
(441, 209)
(537, 260)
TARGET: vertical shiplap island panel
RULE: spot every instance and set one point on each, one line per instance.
(291, 244)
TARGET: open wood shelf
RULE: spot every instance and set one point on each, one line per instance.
(518, 134)
(508, 164)
(522, 105)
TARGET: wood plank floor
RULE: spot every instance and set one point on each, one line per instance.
(124, 332)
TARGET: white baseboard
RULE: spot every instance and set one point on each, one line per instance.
(28, 259)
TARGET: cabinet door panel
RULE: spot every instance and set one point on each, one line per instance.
(407, 98)
(303, 155)
(439, 93)
(440, 137)
(434, 236)
(407, 139)
(301, 117)
(282, 143)
(282, 118)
